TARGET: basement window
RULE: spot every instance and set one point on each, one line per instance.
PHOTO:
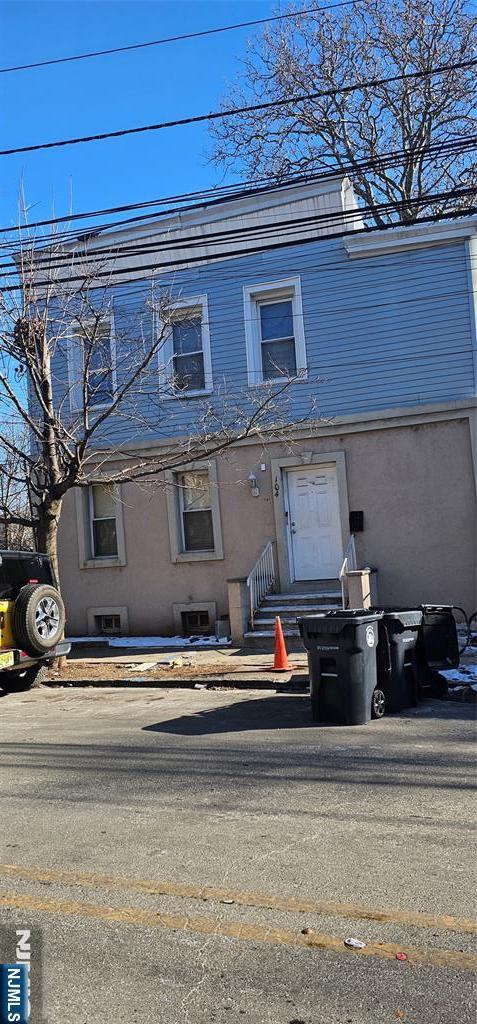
(196, 623)
(109, 625)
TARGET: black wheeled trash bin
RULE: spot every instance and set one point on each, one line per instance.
(397, 657)
(438, 648)
(439, 636)
(341, 648)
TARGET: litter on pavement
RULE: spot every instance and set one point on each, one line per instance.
(354, 943)
(138, 666)
(146, 666)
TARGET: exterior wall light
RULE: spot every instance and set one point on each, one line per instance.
(254, 488)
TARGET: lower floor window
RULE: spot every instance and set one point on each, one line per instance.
(103, 510)
(196, 512)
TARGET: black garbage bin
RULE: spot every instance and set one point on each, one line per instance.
(439, 636)
(397, 657)
(341, 648)
(438, 647)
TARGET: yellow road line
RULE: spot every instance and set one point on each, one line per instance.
(328, 908)
(237, 930)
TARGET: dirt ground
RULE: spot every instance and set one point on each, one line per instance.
(75, 671)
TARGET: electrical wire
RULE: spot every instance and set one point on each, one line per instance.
(175, 39)
(291, 227)
(134, 300)
(223, 270)
(230, 193)
(234, 111)
(83, 279)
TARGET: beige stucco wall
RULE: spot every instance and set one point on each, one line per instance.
(415, 484)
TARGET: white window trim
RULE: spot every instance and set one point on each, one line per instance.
(75, 367)
(166, 349)
(193, 606)
(288, 288)
(109, 609)
(178, 554)
(183, 511)
(83, 523)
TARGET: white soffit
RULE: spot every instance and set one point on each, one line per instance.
(414, 236)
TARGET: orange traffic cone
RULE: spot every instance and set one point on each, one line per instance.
(280, 661)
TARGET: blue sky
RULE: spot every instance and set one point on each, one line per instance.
(107, 93)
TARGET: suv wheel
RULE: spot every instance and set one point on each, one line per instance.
(17, 682)
(38, 618)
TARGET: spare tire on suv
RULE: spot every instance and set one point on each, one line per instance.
(38, 618)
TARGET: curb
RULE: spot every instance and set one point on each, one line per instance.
(280, 686)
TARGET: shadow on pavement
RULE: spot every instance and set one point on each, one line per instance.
(288, 712)
(262, 713)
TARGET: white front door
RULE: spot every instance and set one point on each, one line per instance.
(314, 525)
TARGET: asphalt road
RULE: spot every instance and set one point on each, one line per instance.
(200, 856)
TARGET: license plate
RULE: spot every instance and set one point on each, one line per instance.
(7, 659)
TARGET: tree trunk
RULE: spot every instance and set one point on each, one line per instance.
(48, 517)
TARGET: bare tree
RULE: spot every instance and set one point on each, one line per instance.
(89, 416)
(418, 119)
(15, 510)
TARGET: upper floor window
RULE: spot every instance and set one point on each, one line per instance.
(98, 350)
(188, 358)
(277, 339)
(103, 515)
(185, 354)
(274, 331)
(92, 363)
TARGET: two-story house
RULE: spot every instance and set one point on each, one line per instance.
(378, 330)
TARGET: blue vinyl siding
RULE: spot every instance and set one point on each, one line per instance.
(381, 332)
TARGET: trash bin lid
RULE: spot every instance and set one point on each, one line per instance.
(436, 608)
(336, 621)
(406, 616)
(356, 614)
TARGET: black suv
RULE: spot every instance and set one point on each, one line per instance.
(32, 619)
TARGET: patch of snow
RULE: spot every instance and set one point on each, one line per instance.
(151, 641)
(466, 674)
(86, 640)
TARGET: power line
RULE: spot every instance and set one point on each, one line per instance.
(403, 266)
(229, 193)
(220, 257)
(165, 270)
(175, 39)
(232, 112)
(131, 248)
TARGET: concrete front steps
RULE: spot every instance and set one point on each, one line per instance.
(289, 607)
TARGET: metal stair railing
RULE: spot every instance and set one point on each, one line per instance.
(261, 580)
